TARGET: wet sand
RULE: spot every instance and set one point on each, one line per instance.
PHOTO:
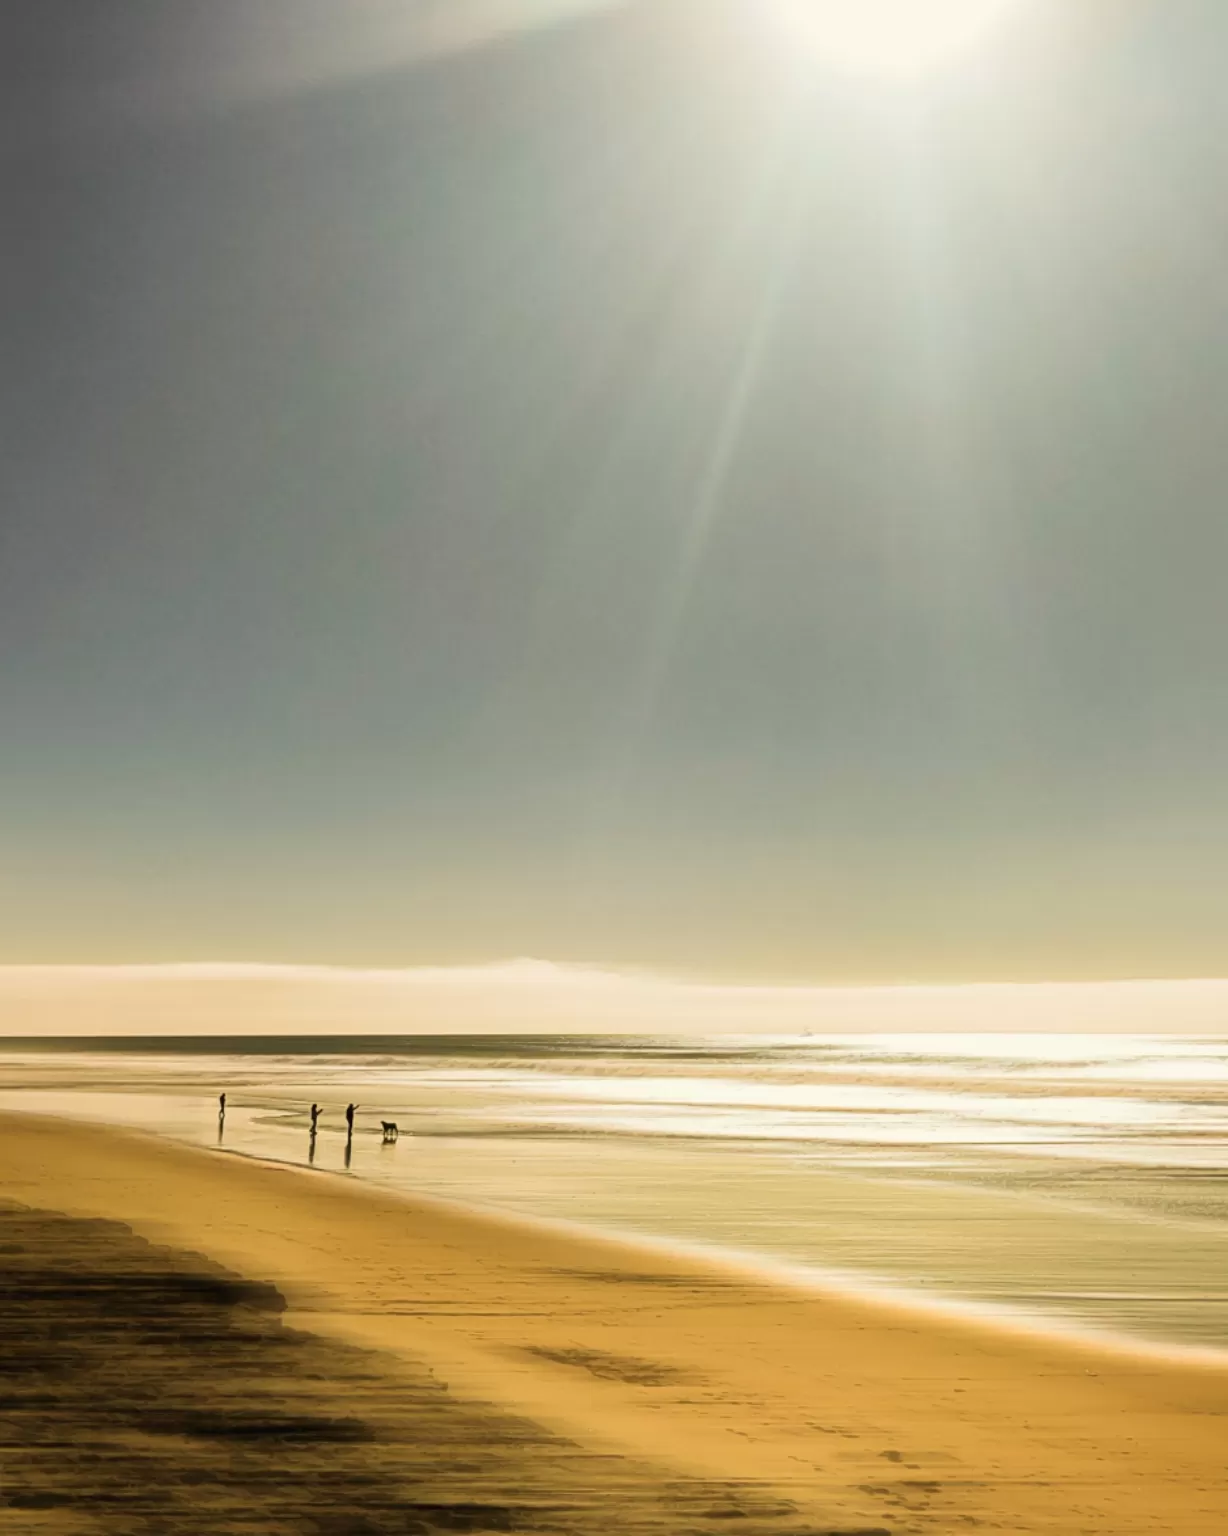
(450, 1370)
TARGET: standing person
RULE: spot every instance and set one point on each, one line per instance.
(221, 1106)
(315, 1115)
(349, 1119)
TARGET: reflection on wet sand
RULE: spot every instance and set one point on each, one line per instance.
(1043, 1176)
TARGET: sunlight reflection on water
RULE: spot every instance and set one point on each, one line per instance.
(1085, 1178)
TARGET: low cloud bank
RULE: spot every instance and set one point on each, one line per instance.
(528, 997)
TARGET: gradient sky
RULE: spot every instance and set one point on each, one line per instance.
(622, 490)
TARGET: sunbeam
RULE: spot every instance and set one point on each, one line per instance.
(290, 50)
(893, 38)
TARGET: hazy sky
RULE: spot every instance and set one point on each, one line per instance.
(625, 491)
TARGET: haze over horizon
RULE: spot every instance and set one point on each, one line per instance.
(629, 489)
(537, 998)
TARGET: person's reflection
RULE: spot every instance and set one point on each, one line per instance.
(349, 1131)
(311, 1148)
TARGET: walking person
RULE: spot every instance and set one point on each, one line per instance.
(349, 1120)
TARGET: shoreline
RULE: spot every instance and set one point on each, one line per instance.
(837, 1285)
(860, 1411)
(943, 1303)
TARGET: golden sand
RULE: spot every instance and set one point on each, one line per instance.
(852, 1415)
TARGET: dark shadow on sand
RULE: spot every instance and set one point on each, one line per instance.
(145, 1390)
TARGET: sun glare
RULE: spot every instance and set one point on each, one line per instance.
(893, 37)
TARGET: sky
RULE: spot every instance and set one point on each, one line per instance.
(613, 483)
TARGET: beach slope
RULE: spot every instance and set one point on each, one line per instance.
(667, 1384)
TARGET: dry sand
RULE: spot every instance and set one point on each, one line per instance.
(463, 1372)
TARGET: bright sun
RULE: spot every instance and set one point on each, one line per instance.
(893, 37)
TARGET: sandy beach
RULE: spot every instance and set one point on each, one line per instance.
(465, 1371)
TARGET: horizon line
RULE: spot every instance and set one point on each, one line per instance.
(526, 967)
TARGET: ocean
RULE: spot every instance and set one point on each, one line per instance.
(1068, 1182)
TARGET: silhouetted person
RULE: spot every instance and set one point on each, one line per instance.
(349, 1119)
(221, 1106)
(315, 1115)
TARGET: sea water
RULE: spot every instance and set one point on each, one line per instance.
(1082, 1181)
